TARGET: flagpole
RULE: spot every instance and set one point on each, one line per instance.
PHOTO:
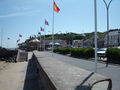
(16, 45)
(7, 43)
(53, 30)
(39, 33)
(95, 23)
(44, 37)
(40, 43)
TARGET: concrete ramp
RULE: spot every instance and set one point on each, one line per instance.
(57, 75)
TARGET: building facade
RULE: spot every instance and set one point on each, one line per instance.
(113, 38)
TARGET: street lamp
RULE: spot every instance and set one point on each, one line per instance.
(95, 24)
(107, 8)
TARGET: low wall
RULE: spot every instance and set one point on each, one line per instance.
(22, 56)
(57, 75)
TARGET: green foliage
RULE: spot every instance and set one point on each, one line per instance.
(76, 52)
(82, 52)
(88, 52)
(113, 54)
(56, 50)
(62, 50)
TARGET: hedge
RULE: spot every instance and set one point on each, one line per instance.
(62, 50)
(113, 54)
(82, 52)
(76, 52)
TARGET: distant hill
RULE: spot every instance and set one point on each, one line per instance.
(69, 37)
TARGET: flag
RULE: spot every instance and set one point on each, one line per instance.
(42, 29)
(56, 8)
(20, 35)
(18, 40)
(34, 36)
(39, 33)
(8, 38)
(46, 22)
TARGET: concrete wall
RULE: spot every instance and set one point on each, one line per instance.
(57, 75)
(22, 56)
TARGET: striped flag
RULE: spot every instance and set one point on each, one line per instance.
(56, 8)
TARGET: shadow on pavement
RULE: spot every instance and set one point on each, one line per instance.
(82, 86)
(32, 78)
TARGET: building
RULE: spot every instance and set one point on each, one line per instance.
(35, 44)
(77, 43)
(113, 38)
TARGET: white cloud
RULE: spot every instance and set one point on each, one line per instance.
(19, 14)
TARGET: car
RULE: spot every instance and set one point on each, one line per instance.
(101, 52)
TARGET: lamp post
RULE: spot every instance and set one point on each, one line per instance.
(39, 34)
(95, 24)
(107, 8)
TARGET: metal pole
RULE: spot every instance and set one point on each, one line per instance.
(53, 30)
(40, 43)
(44, 37)
(95, 23)
(7, 43)
(107, 8)
(107, 33)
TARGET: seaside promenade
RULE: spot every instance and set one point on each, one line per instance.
(22, 75)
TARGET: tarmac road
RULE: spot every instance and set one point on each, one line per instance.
(112, 71)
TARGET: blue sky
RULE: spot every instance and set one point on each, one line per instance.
(25, 17)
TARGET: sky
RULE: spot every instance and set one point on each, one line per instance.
(25, 17)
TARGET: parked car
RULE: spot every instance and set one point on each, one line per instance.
(102, 52)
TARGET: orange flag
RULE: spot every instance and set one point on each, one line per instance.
(56, 8)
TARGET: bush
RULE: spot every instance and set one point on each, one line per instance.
(77, 52)
(113, 54)
(82, 52)
(88, 52)
(56, 50)
(62, 50)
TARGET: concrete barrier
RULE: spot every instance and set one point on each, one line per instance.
(57, 75)
(22, 56)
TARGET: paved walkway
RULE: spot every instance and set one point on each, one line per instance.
(12, 76)
(3, 64)
(19, 76)
(112, 71)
